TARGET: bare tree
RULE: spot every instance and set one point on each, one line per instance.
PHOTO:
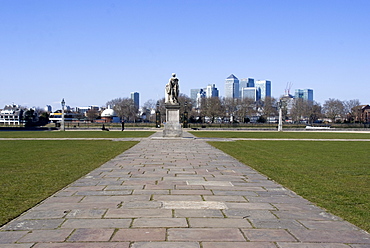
(349, 108)
(230, 107)
(315, 112)
(269, 107)
(300, 110)
(92, 114)
(333, 108)
(124, 107)
(184, 99)
(150, 104)
(211, 107)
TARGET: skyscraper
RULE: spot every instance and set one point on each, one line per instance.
(264, 88)
(246, 88)
(306, 94)
(211, 91)
(246, 82)
(232, 87)
(193, 93)
(249, 92)
(135, 98)
(201, 94)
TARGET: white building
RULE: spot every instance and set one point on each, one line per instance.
(232, 87)
(201, 94)
(249, 92)
(11, 115)
(211, 91)
(264, 88)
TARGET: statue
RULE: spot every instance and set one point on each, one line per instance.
(172, 90)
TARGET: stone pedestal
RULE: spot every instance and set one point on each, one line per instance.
(172, 128)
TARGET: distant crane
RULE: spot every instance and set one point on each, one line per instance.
(287, 88)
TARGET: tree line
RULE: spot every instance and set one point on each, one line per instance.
(216, 109)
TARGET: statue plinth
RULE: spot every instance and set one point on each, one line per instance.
(172, 127)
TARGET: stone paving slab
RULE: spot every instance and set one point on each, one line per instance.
(178, 192)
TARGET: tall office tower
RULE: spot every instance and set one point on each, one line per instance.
(306, 94)
(211, 91)
(135, 98)
(193, 94)
(232, 87)
(249, 92)
(264, 88)
(201, 94)
(48, 109)
(246, 82)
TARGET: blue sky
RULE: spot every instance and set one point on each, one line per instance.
(92, 51)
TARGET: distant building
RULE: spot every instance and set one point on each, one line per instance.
(211, 91)
(48, 109)
(109, 115)
(264, 89)
(135, 98)
(249, 92)
(246, 83)
(362, 113)
(232, 87)
(193, 94)
(306, 94)
(84, 110)
(201, 94)
(11, 115)
(288, 101)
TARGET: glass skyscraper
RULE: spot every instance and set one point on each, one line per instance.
(211, 91)
(264, 88)
(232, 87)
(306, 94)
(249, 92)
(193, 93)
(135, 98)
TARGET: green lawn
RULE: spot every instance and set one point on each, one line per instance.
(75, 134)
(281, 135)
(30, 171)
(333, 174)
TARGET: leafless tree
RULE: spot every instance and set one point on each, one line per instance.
(92, 114)
(124, 107)
(211, 107)
(269, 107)
(315, 112)
(150, 104)
(300, 110)
(349, 108)
(230, 107)
(333, 108)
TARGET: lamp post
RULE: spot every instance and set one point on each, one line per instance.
(280, 126)
(62, 124)
(157, 117)
(185, 124)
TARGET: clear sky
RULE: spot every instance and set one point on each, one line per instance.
(92, 51)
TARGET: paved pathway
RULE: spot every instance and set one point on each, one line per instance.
(166, 193)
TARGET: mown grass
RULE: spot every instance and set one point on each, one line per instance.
(75, 134)
(281, 135)
(30, 171)
(333, 174)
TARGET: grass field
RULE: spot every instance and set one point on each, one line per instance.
(333, 174)
(74, 134)
(281, 135)
(30, 171)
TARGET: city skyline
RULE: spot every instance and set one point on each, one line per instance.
(90, 52)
